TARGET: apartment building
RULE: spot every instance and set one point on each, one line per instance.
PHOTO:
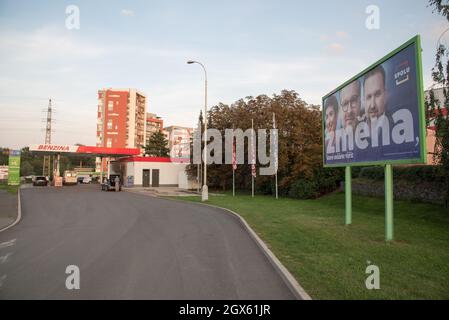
(120, 119)
(179, 141)
(153, 124)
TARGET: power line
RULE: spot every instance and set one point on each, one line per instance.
(46, 166)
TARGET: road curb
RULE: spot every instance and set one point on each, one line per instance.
(19, 213)
(285, 275)
(289, 280)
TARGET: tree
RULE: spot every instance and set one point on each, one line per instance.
(157, 145)
(4, 156)
(299, 147)
(438, 110)
(26, 168)
(35, 161)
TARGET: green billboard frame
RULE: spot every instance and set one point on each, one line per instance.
(416, 40)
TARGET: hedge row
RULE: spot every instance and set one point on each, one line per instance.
(406, 173)
(324, 181)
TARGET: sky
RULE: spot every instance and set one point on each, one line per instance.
(248, 47)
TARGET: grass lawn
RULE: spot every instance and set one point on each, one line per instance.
(329, 259)
(10, 189)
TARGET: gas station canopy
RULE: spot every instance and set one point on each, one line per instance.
(50, 149)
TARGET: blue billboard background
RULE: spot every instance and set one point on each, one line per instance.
(402, 114)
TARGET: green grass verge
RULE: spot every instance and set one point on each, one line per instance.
(329, 259)
(10, 189)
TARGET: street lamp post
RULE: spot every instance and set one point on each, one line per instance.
(205, 191)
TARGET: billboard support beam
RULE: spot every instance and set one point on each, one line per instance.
(348, 196)
(388, 202)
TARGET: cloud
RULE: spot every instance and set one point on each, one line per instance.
(336, 47)
(45, 44)
(127, 12)
(342, 34)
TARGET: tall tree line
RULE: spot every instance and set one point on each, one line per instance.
(299, 147)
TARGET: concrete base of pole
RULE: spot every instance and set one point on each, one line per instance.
(205, 193)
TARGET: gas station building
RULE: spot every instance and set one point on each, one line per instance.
(134, 169)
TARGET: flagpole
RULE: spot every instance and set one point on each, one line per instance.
(233, 182)
(234, 163)
(252, 155)
(276, 160)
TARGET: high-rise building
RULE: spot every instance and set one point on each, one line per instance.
(179, 141)
(153, 124)
(120, 119)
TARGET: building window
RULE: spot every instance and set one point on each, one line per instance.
(109, 143)
(110, 106)
(110, 124)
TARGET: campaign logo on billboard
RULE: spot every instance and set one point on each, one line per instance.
(378, 116)
(402, 73)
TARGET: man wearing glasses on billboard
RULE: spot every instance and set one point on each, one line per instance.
(350, 104)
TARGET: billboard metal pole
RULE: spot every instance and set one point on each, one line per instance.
(388, 202)
(348, 196)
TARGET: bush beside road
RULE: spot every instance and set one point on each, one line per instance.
(329, 260)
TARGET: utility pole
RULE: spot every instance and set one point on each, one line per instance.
(47, 159)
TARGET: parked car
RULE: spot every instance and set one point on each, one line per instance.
(79, 179)
(70, 177)
(87, 180)
(40, 181)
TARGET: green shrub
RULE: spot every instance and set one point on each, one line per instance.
(372, 173)
(304, 189)
(407, 173)
(325, 180)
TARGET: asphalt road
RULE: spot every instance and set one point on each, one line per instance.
(130, 246)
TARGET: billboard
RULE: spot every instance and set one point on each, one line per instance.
(378, 116)
(3, 172)
(14, 168)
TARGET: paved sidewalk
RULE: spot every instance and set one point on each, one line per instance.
(8, 208)
(162, 191)
(166, 192)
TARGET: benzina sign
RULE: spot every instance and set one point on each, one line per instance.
(44, 147)
(54, 147)
(377, 117)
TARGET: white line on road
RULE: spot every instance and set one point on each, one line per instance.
(2, 278)
(7, 243)
(3, 259)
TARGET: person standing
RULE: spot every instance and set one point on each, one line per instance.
(117, 184)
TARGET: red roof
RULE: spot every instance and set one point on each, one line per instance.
(156, 159)
(109, 151)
